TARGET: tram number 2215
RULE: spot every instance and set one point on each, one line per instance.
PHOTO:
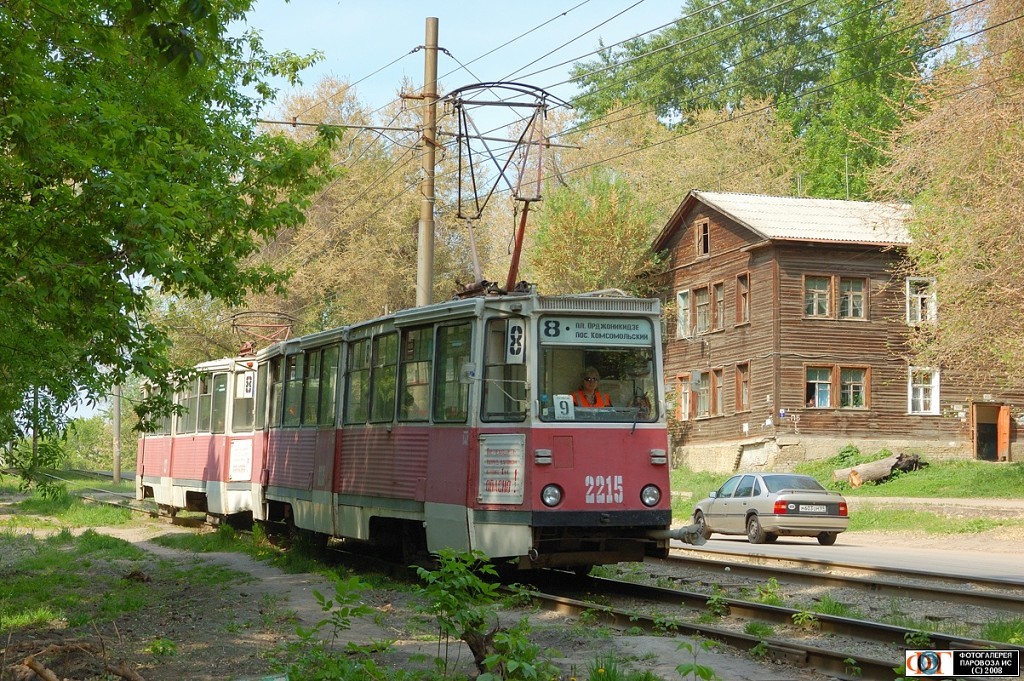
(603, 489)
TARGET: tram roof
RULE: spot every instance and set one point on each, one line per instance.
(609, 301)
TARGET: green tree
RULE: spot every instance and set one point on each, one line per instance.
(960, 158)
(130, 162)
(355, 257)
(593, 234)
(879, 51)
(714, 56)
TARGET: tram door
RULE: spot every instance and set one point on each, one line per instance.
(445, 507)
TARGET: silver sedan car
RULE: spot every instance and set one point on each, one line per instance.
(766, 506)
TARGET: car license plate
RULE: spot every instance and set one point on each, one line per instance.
(812, 508)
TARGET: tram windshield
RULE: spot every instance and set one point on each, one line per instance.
(597, 369)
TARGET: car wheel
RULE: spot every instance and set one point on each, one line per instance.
(755, 533)
(698, 520)
(770, 538)
(827, 538)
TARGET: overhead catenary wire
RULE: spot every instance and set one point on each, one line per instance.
(820, 89)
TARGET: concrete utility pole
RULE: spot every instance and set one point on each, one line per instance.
(425, 247)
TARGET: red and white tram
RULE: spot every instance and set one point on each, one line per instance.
(449, 425)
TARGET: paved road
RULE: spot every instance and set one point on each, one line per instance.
(964, 555)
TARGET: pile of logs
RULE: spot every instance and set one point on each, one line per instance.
(876, 471)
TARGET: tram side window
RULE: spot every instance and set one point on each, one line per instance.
(504, 387)
(292, 389)
(205, 403)
(190, 398)
(161, 424)
(384, 377)
(277, 371)
(451, 395)
(357, 404)
(220, 403)
(243, 401)
(328, 384)
(261, 396)
(417, 355)
(311, 388)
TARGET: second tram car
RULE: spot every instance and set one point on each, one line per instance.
(452, 425)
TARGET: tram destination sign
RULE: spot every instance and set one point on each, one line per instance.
(596, 331)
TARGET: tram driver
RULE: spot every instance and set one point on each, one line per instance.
(588, 394)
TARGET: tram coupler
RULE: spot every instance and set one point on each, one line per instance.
(688, 534)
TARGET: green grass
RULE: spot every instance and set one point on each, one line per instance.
(73, 512)
(83, 482)
(830, 606)
(884, 519)
(41, 590)
(1005, 631)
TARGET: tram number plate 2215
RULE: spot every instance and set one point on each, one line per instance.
(603, 489)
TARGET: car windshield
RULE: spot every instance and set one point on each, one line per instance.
(774, 483)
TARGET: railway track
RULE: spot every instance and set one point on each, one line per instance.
(838, 644)
(709, 557)
(644, 606)
(908, 584)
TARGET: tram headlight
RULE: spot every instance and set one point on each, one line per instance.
(650, 495)
(551, 495)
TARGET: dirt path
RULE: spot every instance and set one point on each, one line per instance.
(229, 630)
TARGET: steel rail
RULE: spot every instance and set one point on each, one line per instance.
(829, 624)
(841, 665)
(1004, 600)
(909, 573)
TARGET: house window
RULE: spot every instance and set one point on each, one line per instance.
(702, 305)
(683, 408)
(703, 237)
(683, 314)
(818, 394)
(851, 298)
(742, 298)
(817, 294)
(853, 388)
(923, 391)
(702, 386)
(743, 387)
(718, 311)
(716, 385)
(920, 300)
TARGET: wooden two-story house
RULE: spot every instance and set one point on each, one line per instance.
(788, 339)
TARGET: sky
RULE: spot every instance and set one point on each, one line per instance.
(360, 40)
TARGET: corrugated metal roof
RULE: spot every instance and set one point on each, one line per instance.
(782, 217)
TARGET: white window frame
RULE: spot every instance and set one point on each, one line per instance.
(684, 407)
(683, 326)
(743, 298)
(702, 310)
(817, 296)
(922, 307)
(931, 386)
(847, 298)
(822, 388)
(704, 391)
(718, 306)
(848, 388)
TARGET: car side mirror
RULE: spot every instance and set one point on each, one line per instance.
(714, 495)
